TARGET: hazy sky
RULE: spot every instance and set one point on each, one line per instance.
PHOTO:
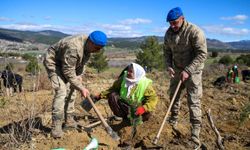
(225, 20)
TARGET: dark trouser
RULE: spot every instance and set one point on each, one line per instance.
(120, 108)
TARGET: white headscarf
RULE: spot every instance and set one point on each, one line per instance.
(139, 73)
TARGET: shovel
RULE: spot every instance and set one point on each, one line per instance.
(105, 124)
(165, 118)
(86, 105)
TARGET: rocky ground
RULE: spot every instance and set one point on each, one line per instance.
(226, 105)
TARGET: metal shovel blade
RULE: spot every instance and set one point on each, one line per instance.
(86, 105)
(155, 141)
(105, 124)
(113, 134)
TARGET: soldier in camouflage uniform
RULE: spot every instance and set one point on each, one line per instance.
(185, 51)
(64, 62)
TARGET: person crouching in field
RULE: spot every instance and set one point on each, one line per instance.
(131, 95)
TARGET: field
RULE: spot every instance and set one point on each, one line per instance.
(25, 119)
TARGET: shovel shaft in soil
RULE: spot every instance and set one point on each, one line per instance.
(105, 124)
(165, 118)
(93, 124)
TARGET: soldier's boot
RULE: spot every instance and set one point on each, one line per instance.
(57, 129)
(70, 122)
(173, 123)
(195, 132)
(177, 133)
(172, 120)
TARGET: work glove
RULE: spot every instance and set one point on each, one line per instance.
(140, 110)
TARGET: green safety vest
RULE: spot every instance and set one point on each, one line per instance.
(137, 95)
(135, 98)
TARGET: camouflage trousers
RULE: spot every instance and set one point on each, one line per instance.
(193, 87)
(64, 98)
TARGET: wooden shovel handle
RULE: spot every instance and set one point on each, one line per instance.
(98, 112)
(165, 118)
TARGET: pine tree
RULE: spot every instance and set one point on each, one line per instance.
(33, 66)
(151, 54)
(99, 61)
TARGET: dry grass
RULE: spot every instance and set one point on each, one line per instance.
(44, 83)
(20, 123)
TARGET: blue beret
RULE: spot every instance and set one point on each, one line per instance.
(98, 38)
(174, 14)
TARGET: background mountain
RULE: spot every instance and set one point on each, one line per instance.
(212, 43)
(244, 45)
(46, 37)
(216, 44)
(49, 37)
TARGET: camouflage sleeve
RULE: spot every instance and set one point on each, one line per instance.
(114, 88)
(49, 61)
(200, 51)
(69, 60)
(151, 98)
(167, 54)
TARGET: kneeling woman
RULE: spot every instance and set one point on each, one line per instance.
(132, 95)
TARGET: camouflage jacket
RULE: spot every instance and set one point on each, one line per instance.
(185, 49)
(67, 58)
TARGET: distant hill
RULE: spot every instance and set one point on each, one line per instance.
(131, 43)
(216, 44)
(50, 37)
(135, 43)
(212, 43)
(9, 38)
(244, 45)
(46, 37)
(52, 33)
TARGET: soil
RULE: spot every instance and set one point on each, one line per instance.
(226, 105)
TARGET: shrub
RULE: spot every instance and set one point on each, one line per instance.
(214, 54)
(243, 59)
(99, 62)
(226, 60)
(33, 67)
(28, 57)
(215, 61)
(151, 54)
